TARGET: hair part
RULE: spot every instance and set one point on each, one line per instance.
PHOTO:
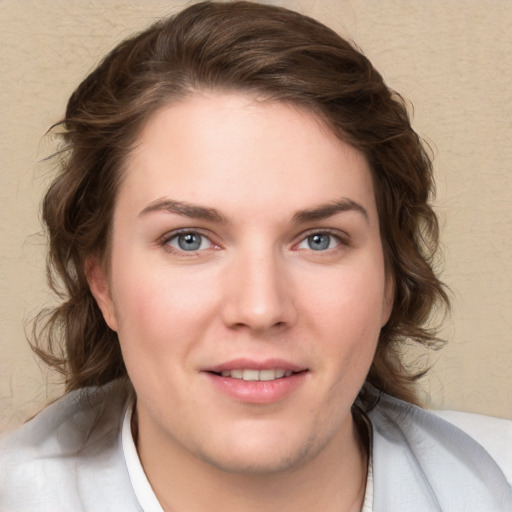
(271, 53)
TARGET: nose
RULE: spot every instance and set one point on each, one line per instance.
(258, 293)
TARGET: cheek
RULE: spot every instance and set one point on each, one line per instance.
(159, 309)
(155, 334)
(347, 315)
(354, 299)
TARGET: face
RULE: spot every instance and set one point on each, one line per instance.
(246, 282)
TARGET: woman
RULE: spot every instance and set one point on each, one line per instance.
(242, 229)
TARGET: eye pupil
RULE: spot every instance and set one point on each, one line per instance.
(319, 241)
(189, 241)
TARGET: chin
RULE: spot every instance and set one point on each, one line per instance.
(257, 465)
(260, 459)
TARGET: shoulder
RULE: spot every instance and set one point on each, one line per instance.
(493, 434)
(70, 425)
(67, 454)
(431, 462)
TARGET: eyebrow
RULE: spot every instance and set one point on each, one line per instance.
(185, 209)
(328, 210)
(211, 214)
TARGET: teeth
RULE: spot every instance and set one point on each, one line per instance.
(267, 375)
(251, 375)
(257, 375)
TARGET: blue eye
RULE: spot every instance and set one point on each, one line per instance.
(189, 241)
(319, 242)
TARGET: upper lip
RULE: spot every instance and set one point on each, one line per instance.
(252, 364)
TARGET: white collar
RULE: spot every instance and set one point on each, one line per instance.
(141, 486)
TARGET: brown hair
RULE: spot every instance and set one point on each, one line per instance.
(275, 54)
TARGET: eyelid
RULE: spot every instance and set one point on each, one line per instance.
(341, 243)
(167, 237)
(343, 237)
(340, 235)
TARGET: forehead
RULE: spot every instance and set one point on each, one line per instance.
(236, 151)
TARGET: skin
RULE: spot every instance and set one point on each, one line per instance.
(257, 288)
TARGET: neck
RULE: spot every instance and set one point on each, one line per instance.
(333, 480)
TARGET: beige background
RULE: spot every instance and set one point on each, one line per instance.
(451, 58)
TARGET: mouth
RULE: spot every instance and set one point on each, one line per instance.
(252, 375)
(253, 382)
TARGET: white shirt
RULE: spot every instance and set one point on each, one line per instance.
(78, 455)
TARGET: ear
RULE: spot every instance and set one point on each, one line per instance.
(100, 288)
(388, 299)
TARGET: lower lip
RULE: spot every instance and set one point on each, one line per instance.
(258, 392)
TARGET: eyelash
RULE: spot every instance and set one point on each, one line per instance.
(342, 239)
(169, 237)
